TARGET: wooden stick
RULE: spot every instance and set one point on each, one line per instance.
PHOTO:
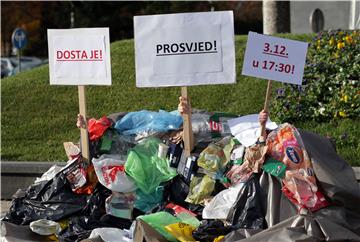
(266, 108)
(187, 127)
(83, 131)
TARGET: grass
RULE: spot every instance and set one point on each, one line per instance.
(37, 118)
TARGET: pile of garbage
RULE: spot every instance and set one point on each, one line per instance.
(140, 184)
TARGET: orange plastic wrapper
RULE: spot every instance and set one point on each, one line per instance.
(299, 183)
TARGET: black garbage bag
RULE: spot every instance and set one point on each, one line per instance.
(249, 209)
(52, 200)
(90, 217)
(177, 191)
(211, 229)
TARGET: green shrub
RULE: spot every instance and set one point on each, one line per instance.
(331, 86)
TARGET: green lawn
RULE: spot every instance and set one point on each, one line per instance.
(37, 118)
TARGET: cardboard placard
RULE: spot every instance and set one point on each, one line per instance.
(184, 49)
(274, 58)
(79, 56)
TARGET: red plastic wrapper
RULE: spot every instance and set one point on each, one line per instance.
(299, 183)
(178, 209)
(97, 128)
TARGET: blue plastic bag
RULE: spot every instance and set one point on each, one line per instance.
(148, 122)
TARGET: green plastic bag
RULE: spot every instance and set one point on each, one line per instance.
(146, 168)
(146, 202)
(159, 220)
(274, 167)
(200, 188)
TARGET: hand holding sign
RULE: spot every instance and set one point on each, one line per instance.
(80, 57)
(276, 59)
(184, 49)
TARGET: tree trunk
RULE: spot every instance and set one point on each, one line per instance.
(276, 16)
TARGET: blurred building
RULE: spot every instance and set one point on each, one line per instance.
(337, 15)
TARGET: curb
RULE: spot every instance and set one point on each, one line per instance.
(21, 174)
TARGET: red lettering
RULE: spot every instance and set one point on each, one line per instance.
(59, 54)
(84, 55)
(66, 54)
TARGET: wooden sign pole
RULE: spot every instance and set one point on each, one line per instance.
(266, 108)
(83, 131)
(187, 127)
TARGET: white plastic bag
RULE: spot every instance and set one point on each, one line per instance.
(110, 235)
(110, 171)
(219, 206)
(45, 227)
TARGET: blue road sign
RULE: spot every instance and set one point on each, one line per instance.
(19, 38)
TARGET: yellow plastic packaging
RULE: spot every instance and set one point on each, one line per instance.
(181, 231)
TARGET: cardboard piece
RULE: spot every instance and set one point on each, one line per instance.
(145, 231)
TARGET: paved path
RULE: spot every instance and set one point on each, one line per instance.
(4, 207)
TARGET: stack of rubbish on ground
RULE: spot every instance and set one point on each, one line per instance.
(140, 185)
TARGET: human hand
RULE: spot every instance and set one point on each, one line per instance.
(263, 116)
(80, 123)
(184, 106)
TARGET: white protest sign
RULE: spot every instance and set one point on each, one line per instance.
(274, 58)
(79, 56)
(184, 49)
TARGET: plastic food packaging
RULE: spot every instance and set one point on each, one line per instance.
(218, 124)
(212, 158)
(201, 126)
(187, 167)
(110, 171)
(200, 188)
(181, 231)
(220, 205)
(285, 145)
(45, 227)
(178, 209)
(146, 168)
(275, 168)
(97, 128)
(175, 152)
(120, 205)
(75, 172)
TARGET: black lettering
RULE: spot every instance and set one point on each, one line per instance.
(208, 46)
(189, 49)
(166, 48)
(201, 46)
(158, 48)
(174, 48)
(182, 48)
(196, 47)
